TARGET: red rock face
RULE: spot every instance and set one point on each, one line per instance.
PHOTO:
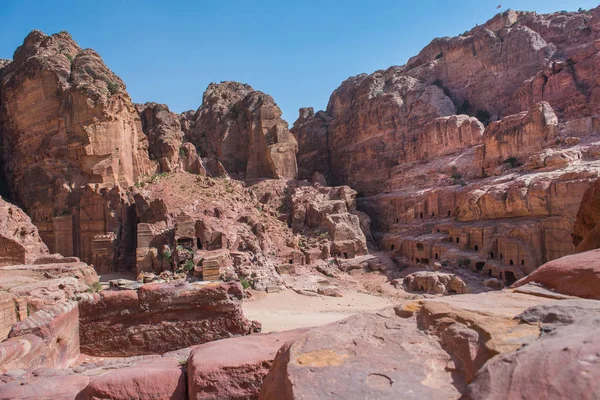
(481, 147)
(160, 318)
(70, 133)
(586, 233)
(243, 129)
(19, 238)
(575, 275)
(234, 368)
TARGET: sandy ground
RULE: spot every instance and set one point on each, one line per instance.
(289, 310)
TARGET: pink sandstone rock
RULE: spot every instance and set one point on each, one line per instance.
(575, 275)
(234, 368)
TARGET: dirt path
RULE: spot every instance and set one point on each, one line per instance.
(289, 310)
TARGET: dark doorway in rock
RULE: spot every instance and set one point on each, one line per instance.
(492, 255)
(509, 277)
(489, 272)
(511, 262)
(346, 255)
(420, 246)
(476, 248)
(438, 231)
(501, 256)
(199, 243)
(397, 220)
(392, 248)
(522, 262)
(449, 213)
(479, 265)
(436, 256)
(421, 215)
(457, 240)
(432, 215)
(291, 261)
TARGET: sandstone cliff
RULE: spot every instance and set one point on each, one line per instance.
(481, 147)
(242, 128)
(71, 137)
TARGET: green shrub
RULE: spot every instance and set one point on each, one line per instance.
(245, 283)
(188, 265)
(167, 254)
(70, 58)
(113, 87)
(182, 152)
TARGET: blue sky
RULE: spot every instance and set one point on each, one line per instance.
(297, 51)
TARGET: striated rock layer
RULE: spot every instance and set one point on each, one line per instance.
(71, 137)
(160, 318)
(480, 148)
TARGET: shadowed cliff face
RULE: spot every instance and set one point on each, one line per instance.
(487, 140)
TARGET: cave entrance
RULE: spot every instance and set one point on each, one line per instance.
(509, 277)
(199, 243)
(479, 266)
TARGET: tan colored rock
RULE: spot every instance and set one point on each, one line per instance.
(435, 283)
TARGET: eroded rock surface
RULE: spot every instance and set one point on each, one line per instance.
(242, 128)
(160, 318)
(575, 275)
(480, 148)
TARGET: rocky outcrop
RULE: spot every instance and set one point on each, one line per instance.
(242, 128)
(70, 135)
(330, 211)
(435, 283)
(586, 232)
(556, 365)
(312, 133)
(352, 359)
(491, 127)
(437, 346)
(233, 368)
(48, 338)
(575, 275)
(165, 138)
(19, 238)
(160, 318)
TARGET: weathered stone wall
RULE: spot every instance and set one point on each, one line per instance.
(49, 338)
(160, 318)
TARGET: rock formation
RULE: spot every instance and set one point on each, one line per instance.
(242, 128)
(160, 318)
(481, 147)
(586, 232)
(70, 135)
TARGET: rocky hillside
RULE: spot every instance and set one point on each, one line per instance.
(480, 148)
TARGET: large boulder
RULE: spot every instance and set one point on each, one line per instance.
(21, 242)
(563, 363)
(234, 368)
(575, 275)
(352, 358)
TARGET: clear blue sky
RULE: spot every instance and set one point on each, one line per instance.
(297, 51)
